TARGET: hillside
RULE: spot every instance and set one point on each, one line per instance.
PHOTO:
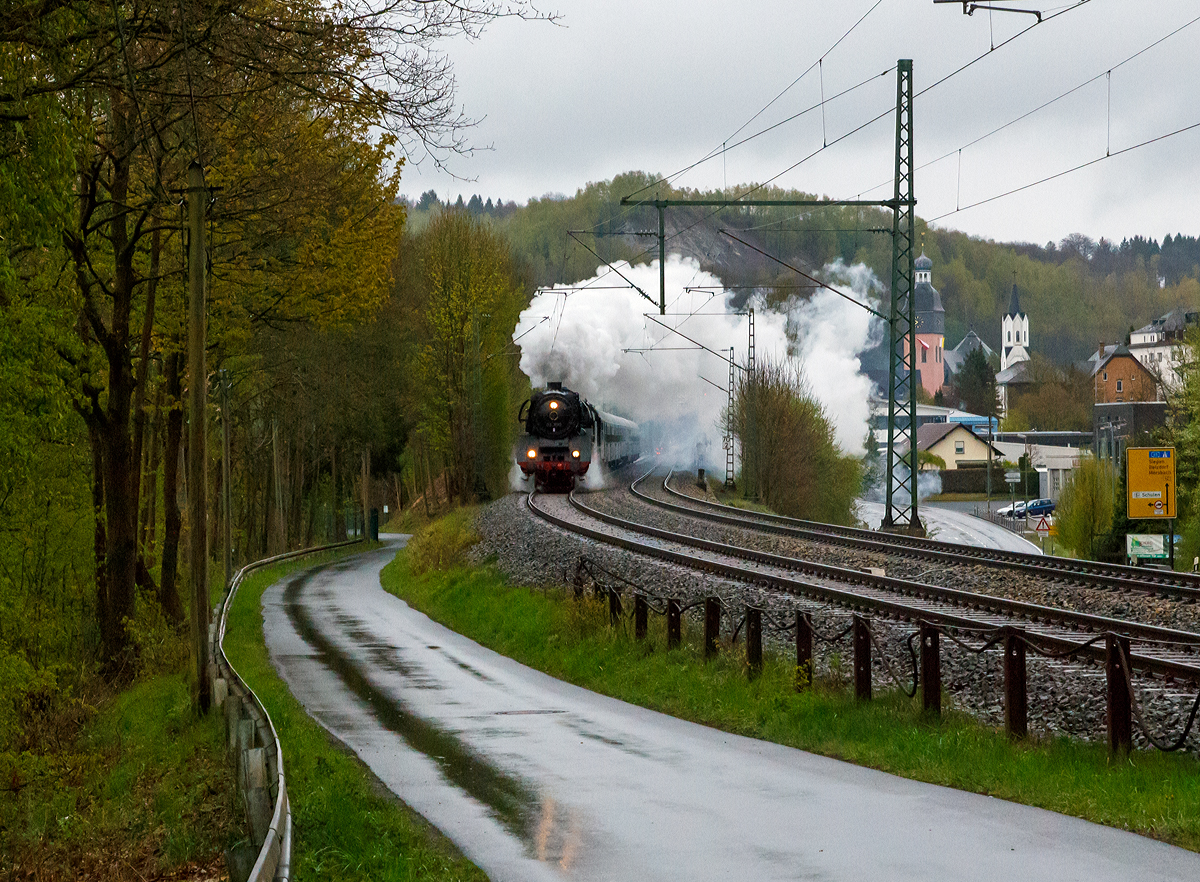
(1077, 292)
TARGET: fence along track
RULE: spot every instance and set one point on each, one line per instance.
(1178, 586)
(871, 593)
(274, 858)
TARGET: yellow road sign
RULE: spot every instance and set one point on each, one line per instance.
(1150, 479)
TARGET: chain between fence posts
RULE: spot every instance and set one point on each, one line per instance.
(674, 622)
(1119, 699)
(862, 658)
(712, 625)
(641, 611)
(754, 650)
(1016, 707)
(931, 668)
(804, 659)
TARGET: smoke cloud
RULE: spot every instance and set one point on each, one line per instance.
(600, 342)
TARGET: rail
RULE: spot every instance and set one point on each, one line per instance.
(1111, 648)
(848, 598)
(254, 743)
(1112, 576)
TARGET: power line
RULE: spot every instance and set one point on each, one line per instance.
(1068, 171)
(1046, 104)
(819, 283)
(724, 148)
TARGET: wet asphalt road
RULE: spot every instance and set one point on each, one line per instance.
(538, 780)
(946, 522)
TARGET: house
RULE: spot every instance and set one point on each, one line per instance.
(955, 357)
(1011, 382)
(1053, 463)
(1159, 345)
(955, 444)
(1119, 376)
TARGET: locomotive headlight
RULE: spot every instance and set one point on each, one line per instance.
(554, 405)
(531, 453)
(575, 453)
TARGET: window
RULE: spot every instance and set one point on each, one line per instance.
(1008, 336)
(1106, 376)
(960, 447)
(924, 353)
(1119, 388)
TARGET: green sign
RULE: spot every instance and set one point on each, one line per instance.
(1146, 545)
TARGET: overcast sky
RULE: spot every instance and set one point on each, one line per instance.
(620, 85)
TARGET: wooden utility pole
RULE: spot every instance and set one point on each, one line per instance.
(226, 493)
(197, 197)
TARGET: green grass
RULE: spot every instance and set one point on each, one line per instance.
(1150, 793)
(140, 788)
(344, 826)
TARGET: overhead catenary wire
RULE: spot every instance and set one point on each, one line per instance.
(1065, 172)
(814, 279)
(723, 148)
(1071, 91)
(879, 116)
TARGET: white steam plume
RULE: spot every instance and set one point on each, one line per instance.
(830, 335)
(583, 338)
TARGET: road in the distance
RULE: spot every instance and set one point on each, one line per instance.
(951, 525)
(538, 780)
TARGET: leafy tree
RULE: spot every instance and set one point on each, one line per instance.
(774, 415)
(1060, 400)
(465, 295)
(428, 200)
(1085, 507)
(975, 384)
(281, 101)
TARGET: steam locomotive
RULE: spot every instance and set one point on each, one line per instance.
(564, 435)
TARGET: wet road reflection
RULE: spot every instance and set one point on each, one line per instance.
(537, 780)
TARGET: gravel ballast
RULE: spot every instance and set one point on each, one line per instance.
(1065, 698)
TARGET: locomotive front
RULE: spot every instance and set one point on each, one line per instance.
(559, 434)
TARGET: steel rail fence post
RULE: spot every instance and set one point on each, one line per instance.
(1016, 700)
(804, 654)
(640, 612)
(931, 668)
(862, 658)
(754, 651)
(712, 625)
(1118, 700)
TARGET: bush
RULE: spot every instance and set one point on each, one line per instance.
(443, 544)
(789, 458)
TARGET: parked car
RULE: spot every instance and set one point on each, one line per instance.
(1040, 507)
(1007, 511)
(1019, 510)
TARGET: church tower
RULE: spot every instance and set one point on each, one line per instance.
(1014, 334)
(931, 327)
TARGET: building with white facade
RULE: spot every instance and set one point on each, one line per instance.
(1159, 345)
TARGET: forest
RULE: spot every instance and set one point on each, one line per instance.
(359, 343)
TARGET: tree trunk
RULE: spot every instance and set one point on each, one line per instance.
(168, 583)
(99, 541)
(339, 513)
(150, 491)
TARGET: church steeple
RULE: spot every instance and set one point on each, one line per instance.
(1014, 333)
(1014, 303)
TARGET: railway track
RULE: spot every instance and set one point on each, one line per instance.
(1160, 651)
(1159, 583)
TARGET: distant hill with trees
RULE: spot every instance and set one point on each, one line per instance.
(1077, 292)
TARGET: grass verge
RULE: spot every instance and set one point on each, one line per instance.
(133, 787)
(345, 825)
(1149, 793)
